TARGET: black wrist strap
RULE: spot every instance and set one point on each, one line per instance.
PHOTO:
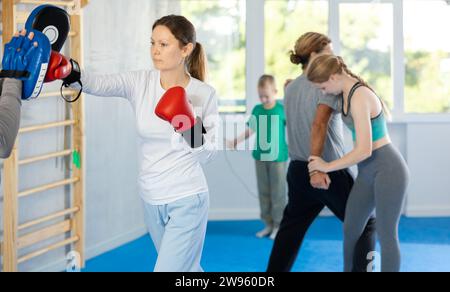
(14, 74)
(65, 85)
(74, 77)
(195, 136)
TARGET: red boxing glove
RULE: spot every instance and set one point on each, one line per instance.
(59, 67)
(174, 107)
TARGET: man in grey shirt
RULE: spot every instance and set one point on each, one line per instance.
(314, 128)
(302, 100)
(10, 103)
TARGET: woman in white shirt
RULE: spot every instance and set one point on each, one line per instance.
(171, 179)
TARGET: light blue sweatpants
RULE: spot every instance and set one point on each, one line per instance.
(178, 232)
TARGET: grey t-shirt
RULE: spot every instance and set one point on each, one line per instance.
(301, 101)
(10, 102)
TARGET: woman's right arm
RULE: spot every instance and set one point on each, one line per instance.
(117, 85)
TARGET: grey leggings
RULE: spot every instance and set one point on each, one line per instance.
(381, 185)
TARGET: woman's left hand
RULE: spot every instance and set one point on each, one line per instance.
(318, 164)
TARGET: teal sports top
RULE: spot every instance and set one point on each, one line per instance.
(379, 124)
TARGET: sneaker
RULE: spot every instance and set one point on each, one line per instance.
(274, 233)
(265, 232)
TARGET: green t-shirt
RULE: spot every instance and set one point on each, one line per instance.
(270, 128)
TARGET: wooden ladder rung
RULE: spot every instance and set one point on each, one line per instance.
(44, 234)
(22, 16)
(48, 187)
(48, 218)
(47, 249)
(57, 93)
(46, 156)
(53, 2)
(47, 126)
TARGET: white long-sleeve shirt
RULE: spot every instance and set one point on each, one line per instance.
(169, 169)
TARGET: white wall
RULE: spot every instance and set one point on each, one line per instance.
(429, 160)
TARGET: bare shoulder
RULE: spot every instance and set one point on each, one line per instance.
(363, 96)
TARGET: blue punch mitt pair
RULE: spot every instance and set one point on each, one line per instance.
(27, 55)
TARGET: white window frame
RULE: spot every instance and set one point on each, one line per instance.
(255, 55)
(255, 52)
(397, 55)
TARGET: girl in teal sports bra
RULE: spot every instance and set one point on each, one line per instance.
(379, 125)
(382, 172)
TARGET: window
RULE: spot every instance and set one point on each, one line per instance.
(285, 22)
(220, 28)
(427, 53)
(363, 32)
(366, 34)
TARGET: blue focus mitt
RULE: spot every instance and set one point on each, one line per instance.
(26, 58)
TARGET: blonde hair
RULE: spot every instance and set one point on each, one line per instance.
(266, 79)
(323, 66)
(311, 42)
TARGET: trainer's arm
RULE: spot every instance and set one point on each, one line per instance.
(10, 104)
(319, 129)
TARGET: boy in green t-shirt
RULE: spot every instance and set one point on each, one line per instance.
(268, 121)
